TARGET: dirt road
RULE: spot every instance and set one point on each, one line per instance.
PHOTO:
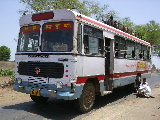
(126, 108)
(131, 108)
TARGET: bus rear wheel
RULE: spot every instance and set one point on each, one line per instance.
(86, 101)
(39, 99)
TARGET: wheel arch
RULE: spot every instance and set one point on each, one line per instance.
(96, 84)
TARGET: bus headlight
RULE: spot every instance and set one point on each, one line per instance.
(59, 85)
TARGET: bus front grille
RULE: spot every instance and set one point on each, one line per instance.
(41, 69)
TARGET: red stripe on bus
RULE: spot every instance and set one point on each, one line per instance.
(113, 29)
(102, 77)
(84, 79)
(119, 75)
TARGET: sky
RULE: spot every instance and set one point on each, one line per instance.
(139, 11)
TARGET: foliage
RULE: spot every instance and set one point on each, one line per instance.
(6, 72)
(152, 32)
(149, 31)
(153, 67)
(4, 53)
(39, 5)
(11, 78)
(128, 23)
(88, 8)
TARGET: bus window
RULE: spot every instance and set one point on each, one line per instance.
(148, 53)
(28, 38)
(79, 36)
(101, 46)
(120, 47)
(138, 51)
(144, 52)
(85, 42)
(92, 40)
(93, 45)
(57, 37)
(130, 49)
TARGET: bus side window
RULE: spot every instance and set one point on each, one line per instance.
(93, 45)
(101, 46)
(116, 49)
(120, 47)
(92, 40)
(130, 49)
(144, 52)
(148, 54)
(141, 52)
(86, 45)
(79, 36)
(138, 54)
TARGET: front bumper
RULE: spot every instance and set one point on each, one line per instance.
(46, 93)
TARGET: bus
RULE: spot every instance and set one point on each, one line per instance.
(63, 54)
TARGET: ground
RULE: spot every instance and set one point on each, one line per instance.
(131, 108)
(8, 95)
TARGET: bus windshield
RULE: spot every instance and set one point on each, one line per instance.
(57, 37)
(28, 38)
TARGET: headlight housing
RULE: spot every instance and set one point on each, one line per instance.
(59, 85)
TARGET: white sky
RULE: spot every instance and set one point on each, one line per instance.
(139, 11)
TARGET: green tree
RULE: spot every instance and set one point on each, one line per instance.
(88, 8)
(152, 32)
(140, 29)
(39, 5)
(5, 53)
(149, 31)
(153, 67)
(128, 23)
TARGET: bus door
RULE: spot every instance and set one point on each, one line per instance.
(107, 61)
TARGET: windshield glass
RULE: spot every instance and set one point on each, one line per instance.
(57, 37)
(28, 38)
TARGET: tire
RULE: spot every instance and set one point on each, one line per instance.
(86, 100)
(39, 99)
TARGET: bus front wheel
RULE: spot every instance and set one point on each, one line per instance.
(86, 101)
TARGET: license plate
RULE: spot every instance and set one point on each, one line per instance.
(35, 92)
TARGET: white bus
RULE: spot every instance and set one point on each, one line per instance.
(63, 54)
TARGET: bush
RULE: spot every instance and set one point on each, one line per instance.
(5, 53)
(11, 78)
(7, 72)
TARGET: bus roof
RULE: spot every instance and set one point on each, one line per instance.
(66, 14)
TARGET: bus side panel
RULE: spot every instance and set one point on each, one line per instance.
(90, 66)
(125, 71)
(124, 65)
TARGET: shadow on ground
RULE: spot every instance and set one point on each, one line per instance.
(65, 110)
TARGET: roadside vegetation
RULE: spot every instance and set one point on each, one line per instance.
(7, 72)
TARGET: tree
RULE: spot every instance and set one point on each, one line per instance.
(5, 53)
(153, 67)
(39, 5)
(149, 31)
(128, 23)
(140, 29)
(88, 8)
(152, 32)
